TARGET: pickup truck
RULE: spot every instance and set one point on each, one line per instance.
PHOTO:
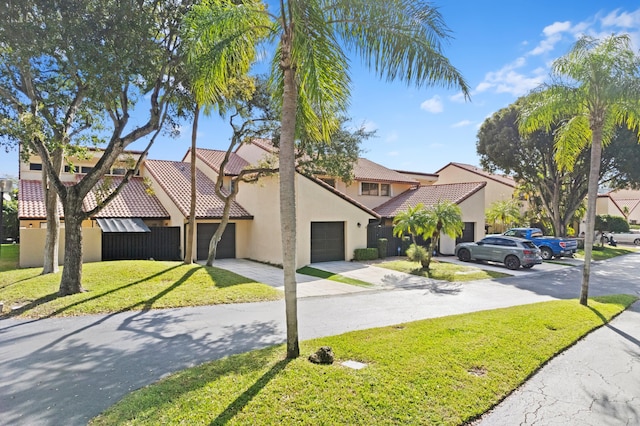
(549, 246)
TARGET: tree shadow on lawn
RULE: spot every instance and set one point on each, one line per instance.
(54, 296)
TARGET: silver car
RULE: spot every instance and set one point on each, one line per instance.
(512, 251)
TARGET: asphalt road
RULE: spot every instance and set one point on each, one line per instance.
(67, 370)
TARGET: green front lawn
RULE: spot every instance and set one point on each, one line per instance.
(314, 272)
(128, 285)
(441, 270)
(9, 257)
(444, 371)
(605, 252)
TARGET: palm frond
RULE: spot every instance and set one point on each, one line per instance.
(221, 38)
(398, 39)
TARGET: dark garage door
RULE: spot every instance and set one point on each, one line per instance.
(226, 246)
(468, 233)
(162, 243)
(327, 241)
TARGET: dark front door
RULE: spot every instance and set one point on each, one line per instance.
(226, 246)
(327, 241)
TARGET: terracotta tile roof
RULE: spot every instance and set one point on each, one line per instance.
(175, 179)
(31, 200)
(213, 158)
(367, 170)
(132, 201)
(506, 180)
(429, 195)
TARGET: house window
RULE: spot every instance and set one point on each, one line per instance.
(369, 188)
(86, 169)
(118, 172)
(35, 166)
(385, 189)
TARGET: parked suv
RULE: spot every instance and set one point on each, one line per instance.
(512, 251)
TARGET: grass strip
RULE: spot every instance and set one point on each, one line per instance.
(444, 371)
(604, 252)
(128, 285)
(319, 273)
(442, 271)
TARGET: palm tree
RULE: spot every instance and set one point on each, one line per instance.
(398, 39)
(443, 217)
(504, 212)
(410, 221)
(597, 84)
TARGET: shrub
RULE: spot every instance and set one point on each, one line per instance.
(608, 223)
(417, 253)
(365, 254)
(382, 247)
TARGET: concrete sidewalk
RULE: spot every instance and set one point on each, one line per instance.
(594, 383)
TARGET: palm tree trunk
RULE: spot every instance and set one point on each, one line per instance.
(288, 201)
(592, 196)
(191, 227)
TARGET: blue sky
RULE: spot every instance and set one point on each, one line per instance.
(503, 48)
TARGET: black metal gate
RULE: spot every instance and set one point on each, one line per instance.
(162, 243)
(395, 245)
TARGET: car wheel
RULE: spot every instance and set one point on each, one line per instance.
(546, 253)
(512, 262)
(464, 255)
(636, 241)
(529, 266)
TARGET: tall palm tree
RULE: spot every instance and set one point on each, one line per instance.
(443, 217)
(597, 84)
(410, 221)
(397, 39)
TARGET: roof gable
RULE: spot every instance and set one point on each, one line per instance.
(429, 195)
(213, 158)
(174, 178)
(505, 180)
(367, 170)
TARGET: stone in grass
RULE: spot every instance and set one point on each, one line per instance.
(324, 355)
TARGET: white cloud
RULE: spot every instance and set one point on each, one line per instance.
(462, 123)
(553, 34)
(509, 80)
(393, 153)
(622, 19)
(369, 126)
(433, 105)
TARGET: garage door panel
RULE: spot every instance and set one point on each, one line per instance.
(327, 241)
(226, 246)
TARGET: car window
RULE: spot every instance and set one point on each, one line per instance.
(510, 233)
(489, 240)
(508, 243)
(528, 244)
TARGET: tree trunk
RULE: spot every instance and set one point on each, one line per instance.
(288, 200)
(191, 228)
(71, 282)
(426, 264)
(592, 196)
(50, 261)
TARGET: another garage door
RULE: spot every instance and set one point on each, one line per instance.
(226, 246)
(327, 241)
